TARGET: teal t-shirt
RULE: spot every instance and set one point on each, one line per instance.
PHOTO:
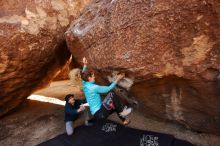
(92, 93)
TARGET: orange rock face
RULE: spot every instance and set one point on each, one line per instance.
(155, 42)
(193, 103)
(63, 74)
(149, 38)
(32, 45)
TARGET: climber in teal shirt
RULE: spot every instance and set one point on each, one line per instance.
(102, 109)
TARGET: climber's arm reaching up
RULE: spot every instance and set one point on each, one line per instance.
(84, 64)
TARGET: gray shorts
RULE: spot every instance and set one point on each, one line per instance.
(69, 127)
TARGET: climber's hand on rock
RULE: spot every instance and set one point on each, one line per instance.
(119, 77)
(85, 61)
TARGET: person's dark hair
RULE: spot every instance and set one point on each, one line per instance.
(67, 97)
(85, 75)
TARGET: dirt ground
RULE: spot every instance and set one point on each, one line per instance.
(36, 122)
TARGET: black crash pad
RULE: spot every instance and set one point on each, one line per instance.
(109, 133)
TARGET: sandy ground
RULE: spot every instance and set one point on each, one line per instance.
(36, 122)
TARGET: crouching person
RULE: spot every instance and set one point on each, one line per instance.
(73, 108)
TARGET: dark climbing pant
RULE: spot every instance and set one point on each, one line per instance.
(111, 104)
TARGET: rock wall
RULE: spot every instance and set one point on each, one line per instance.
(63, 73)
(149, 38)
(168, 49)
(32, 45)
(193, 103)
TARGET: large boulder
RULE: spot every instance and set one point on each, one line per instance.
(32, 45)
(169, 51)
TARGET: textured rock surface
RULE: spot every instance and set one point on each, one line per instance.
(32, 45)
(193, 103)
(157, 39)
(63, 73)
